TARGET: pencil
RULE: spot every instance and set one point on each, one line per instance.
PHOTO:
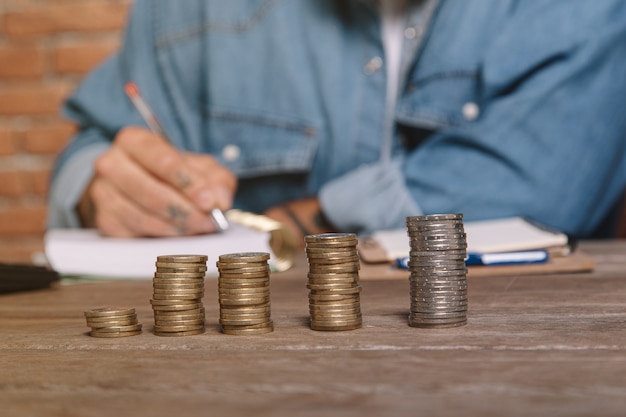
(132, 91)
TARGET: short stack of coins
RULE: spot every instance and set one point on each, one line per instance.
(113, 322)
(333, 281)
(178, 288)
(438, 275)
(244, 293)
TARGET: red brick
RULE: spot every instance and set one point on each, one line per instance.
(47, 139)
(84, 16)
(23, 221)
(11, 184)
(31, 100)
(38, 181)
(7, 146)
(21, 62)
(81, 58)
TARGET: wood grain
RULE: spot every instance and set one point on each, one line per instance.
(534, 345)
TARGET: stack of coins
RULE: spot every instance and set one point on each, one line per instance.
(438, 275)
(244, 293)
(113, 322)
(334, 292)
(178, 288)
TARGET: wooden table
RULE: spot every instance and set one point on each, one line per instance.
(552, 345)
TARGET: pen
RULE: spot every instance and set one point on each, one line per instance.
(132, 91)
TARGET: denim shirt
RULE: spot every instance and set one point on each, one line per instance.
(505, 107)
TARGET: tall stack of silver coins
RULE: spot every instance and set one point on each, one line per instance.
(178, 288)
(113, 322)
(438, 275)
(244, 293)
(333, 281)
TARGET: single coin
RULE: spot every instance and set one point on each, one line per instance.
(332, 291)
(248, 276)
(112, 323)
(330, 237)
(242, 285)
(177, 307)
(175, 287)
(242, 301)
(94, 333)
(182, 258)
(114, 329)
(245, 257)
(184, 265)
(435, 216)
(339, 250)
(245, 310)
(439, 325)
(248, 332)
(180, 275)
(263, 325)
(247, 269)
(351, 245)
(238, 265)
(109, 311)
(332, 275)
(162, 324)
(243, 321)
(315, 326)
(179, 313)
(333, 285)
(109, 318)
(180, 334)
(177, 328)
(321, 269)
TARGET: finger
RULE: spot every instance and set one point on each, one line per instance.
(169, 165)
(116, 216)
(221, 183)
(151, 195)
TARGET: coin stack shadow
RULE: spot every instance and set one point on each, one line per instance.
(334, 292)
(113, 322)
(438, 275)
(244, 293)
(178, 288)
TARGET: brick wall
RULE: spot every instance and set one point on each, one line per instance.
(46, 46)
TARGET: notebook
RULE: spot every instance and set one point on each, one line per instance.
(84, 252)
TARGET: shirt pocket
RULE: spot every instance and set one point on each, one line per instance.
(440, 100)
(254, 144)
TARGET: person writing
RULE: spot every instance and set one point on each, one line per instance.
(351, 115)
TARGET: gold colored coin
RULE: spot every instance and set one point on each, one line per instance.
(182, 258)
(112, 323)
(245, 257)
(181, 334)
(121, 329)
(94, 333)
(109, 311)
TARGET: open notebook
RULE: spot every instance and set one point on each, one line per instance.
(84, 252)
(500, 237)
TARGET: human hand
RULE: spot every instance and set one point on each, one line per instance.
(301, 217)
(143, 186)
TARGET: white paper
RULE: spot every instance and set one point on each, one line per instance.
(85, 252)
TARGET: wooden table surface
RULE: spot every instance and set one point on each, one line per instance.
(551, 345)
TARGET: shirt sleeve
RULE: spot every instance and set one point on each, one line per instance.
(548, 141)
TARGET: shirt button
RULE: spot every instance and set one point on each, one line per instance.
(413, 32)
(470, 111)
(373, 65)
(231, 152)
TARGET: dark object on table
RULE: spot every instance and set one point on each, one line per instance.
(25, 277)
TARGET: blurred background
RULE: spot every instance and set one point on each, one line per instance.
(46, 47)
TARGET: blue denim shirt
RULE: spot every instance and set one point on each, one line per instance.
(506, 107)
